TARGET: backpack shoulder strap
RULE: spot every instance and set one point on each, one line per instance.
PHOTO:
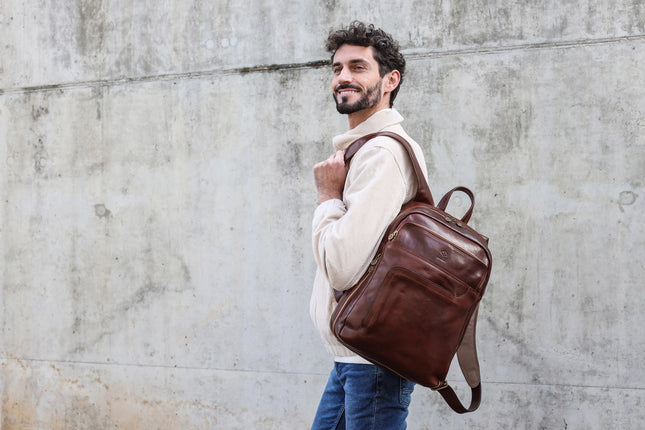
(453, 401)
(423, 190)
(469, 364)
(467, 352)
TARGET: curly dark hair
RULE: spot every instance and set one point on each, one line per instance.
(386, 50)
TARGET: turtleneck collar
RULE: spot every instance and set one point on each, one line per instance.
(377, 122)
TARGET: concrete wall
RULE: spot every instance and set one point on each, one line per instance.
(156, 195)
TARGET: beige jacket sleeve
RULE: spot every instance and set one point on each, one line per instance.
(346, 233)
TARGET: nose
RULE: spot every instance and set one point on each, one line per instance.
(345, 76)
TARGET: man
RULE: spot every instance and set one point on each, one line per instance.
(356, 205)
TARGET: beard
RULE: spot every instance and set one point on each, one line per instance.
(370, 98)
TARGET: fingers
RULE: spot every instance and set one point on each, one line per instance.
(334, 159)
(339, 157)
(330, 176)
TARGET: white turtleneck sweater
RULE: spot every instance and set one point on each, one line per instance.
(347, 232)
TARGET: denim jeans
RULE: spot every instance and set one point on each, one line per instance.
(363, 397)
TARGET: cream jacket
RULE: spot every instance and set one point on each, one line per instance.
(347, 232)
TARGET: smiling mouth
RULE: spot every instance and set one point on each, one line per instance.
(343, 91)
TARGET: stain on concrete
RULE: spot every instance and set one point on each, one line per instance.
(331, 5)
(40, 155)
(290, 159)
(83, 413)
(637, 17)
(288, 79)
(90, 333)
(38, 111)
(97, 95)
(140, 298)
(101, 211)
(90, 33)
(626, 198)
(512, 118)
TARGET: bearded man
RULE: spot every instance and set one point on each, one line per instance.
(356, 203)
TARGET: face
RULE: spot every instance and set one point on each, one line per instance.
(357, 85)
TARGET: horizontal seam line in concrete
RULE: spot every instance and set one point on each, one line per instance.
(166, 77)
(153, 366)
(281, 372)
(544, 384)
(423, 53)
(412, 54)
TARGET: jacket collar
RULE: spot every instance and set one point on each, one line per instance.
(380, 120)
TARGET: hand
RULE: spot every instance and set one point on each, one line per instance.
(330, 177)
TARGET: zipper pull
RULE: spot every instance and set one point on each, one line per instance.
(373, 263)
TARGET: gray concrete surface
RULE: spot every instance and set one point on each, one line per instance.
(157, 192)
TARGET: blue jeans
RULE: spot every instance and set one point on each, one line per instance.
(363, 397)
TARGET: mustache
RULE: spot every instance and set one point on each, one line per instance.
(347, 87)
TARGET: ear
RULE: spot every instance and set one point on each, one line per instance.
(391, 81)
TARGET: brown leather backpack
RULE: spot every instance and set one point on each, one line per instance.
(416, 305)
